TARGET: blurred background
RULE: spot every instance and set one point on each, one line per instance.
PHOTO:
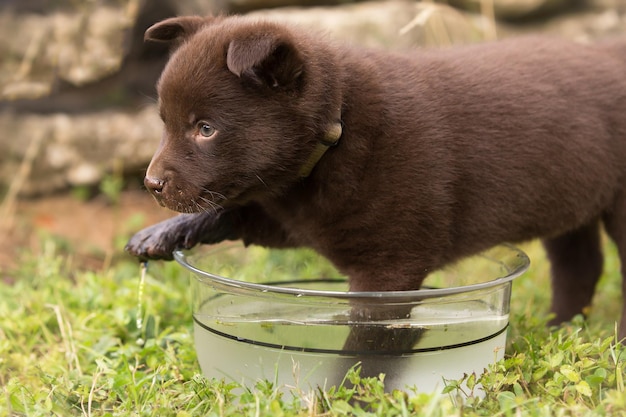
(78, 123)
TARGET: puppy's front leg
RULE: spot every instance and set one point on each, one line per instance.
(377, 330)
(181, 232)
(250, 223)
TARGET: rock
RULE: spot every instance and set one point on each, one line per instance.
(81, 148)
(77, 143)
(76, 48)
(513, 9)
(77, 150)
(392, 24)
(24, 89)
(588, 26)
(243, 6)
(84, 47)
(594, 22)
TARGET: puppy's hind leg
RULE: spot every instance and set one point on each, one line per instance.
(576, 265)
(615, 226)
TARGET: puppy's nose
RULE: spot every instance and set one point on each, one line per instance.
(154, 185)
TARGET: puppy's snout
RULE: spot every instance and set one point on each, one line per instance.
(154, 185)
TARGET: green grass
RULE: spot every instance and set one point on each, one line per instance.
(70, 345)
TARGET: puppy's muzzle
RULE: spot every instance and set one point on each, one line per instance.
(155, 187)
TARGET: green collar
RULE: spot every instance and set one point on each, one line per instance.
(330, 139)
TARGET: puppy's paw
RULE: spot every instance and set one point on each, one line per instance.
(162, 239)
(155, 242)
(181, 232)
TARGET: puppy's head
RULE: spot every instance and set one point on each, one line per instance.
(243, 104)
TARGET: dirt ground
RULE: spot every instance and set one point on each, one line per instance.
(93, 231)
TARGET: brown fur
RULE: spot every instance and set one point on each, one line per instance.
(443, 153)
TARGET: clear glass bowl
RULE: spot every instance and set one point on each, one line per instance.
(274, 318)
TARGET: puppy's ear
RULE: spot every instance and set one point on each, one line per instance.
(176, 29)
(266, 58)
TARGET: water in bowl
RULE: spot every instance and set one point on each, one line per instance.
(300, 344)
(294, 334)
(294, 365)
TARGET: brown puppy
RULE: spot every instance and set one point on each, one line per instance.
(391, 165)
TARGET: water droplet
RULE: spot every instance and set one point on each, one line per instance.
(142, 281)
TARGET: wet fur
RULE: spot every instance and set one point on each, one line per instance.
(444, 153)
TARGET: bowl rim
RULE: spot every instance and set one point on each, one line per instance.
(514, 270)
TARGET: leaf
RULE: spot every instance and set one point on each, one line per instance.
(511, 378)
(471, 381)
(619, 377)
(598, 377)
(451, 385)
(557, 359)
(539, 373)
(506, 400)
(570, 373)
(584, 389)
(276, 408)
(341, 407)
(583, 348)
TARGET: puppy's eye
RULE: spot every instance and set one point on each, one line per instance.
(205, 129)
